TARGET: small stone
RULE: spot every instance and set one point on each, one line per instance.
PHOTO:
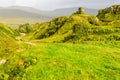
(3, 61)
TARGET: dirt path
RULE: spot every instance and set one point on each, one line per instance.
(30, 43)
(19, 38)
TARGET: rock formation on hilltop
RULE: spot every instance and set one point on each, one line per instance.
(81, 10)
(115, 9)
(109, 13)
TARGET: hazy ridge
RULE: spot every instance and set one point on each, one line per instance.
(30, 14)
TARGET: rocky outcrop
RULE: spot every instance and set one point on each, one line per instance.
(115, 9)
(109, 13)
(81, 10)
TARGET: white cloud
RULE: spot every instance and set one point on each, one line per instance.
(53, 4)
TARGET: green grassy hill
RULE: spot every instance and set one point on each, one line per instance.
(76, 28)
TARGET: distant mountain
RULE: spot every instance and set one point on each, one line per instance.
(26, 13)
(19, 13)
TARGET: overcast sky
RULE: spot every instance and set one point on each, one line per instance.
(55, 4)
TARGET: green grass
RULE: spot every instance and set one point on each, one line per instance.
(64, 61)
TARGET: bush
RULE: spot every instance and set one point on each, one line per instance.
(25, 28)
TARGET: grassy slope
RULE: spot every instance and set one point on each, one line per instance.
(60, 28)
(48, 61)
(8, 43)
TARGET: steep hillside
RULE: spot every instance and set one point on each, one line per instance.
(8, 43)
(76, 28)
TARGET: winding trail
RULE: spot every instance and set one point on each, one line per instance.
(30, 43)
(19, 38)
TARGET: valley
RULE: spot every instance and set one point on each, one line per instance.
(79, 46)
